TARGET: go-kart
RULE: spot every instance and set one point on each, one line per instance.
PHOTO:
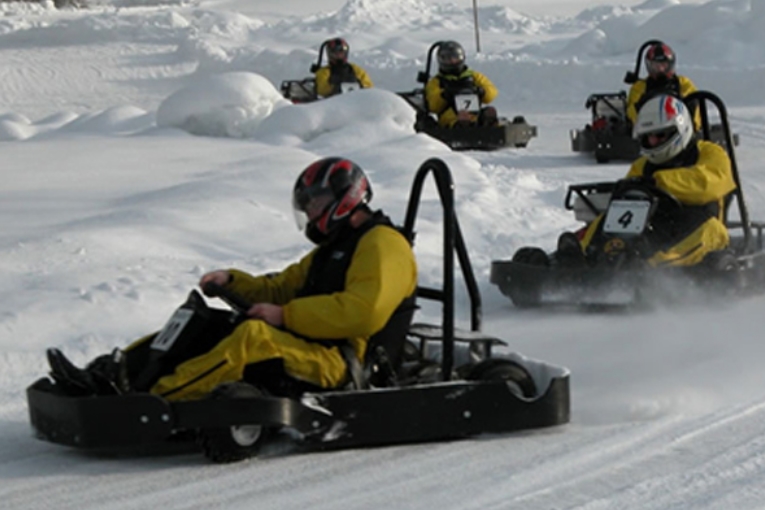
(620, 276)
(436, 383)
(506, 133)
(304, 90)
(609, 134)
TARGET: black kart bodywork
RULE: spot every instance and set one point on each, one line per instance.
(508, 133)
(450, 385)
(608, 136)
(529, 285)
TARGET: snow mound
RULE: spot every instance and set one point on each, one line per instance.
(227, 105)
(348, 120)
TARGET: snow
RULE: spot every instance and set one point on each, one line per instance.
(144, 143)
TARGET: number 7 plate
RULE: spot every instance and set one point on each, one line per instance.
(626, 217)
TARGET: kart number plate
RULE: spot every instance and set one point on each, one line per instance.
(626, 217)
(467, 102)
(349, 87)
(172, 330)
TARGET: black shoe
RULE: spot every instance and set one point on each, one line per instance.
(488, 117)
(72, 379)
(105, 375)
(569, 252)
(109, 371)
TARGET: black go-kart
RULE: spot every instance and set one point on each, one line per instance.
(304, 90)
(436, 383)
(609, 134)
(507, 133)
(533, 278)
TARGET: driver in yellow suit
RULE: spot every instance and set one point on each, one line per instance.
(341, 293)
(662, 79)
(454, 76)
(695, 172)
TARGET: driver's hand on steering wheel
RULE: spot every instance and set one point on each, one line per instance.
(220, 277)
(271, 314)
(463, 116)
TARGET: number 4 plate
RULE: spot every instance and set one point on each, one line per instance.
(626, 217)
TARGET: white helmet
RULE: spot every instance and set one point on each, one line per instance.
(664, 128)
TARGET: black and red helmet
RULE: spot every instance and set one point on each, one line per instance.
(325, 195)
(337, 50)
(451, 57)
(660, 61)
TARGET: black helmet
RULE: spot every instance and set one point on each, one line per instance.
(337, 50)
(325, 195)
(451, 57)
(660, 61)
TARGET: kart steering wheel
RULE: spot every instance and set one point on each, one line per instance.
(234, 300)
(624, 186)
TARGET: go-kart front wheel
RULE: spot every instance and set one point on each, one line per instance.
(500, 369)
(235, 443)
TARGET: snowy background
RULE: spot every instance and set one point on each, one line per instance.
(145, 143)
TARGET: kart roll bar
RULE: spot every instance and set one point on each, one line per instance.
(424, 76)
(702, 96)
(453, 241)
(632, 76)
(317, 65)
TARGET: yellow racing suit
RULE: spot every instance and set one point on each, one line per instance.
(701, 184)
(379, 274)
(642, 90)
(329, 78)
(440, 91)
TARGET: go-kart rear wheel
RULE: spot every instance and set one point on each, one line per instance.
(238, 442)
(501, 369)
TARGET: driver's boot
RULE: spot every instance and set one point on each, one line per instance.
(105, 375)
(569, 253)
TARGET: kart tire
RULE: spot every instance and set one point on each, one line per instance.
(601, 159)
(238, 442)
(500, 369)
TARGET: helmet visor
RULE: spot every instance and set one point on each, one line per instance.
(310, 204)
(659, 67)
(656, 139)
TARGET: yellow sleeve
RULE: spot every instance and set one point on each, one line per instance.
(709, 180)
(323, 87)
(636, 92)
(636, 170)
(277, 288)
(362, 76)
(687, 87)
(381, 275)
(490, 91)
(437, 104)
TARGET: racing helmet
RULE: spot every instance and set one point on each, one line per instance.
(337, 50)
(664, 128)
(451, 57)
(325, 195)
(660, 61)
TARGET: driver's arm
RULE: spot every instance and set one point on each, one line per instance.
(709, 180)
(489, 90)
(437, 104)
(323, 87)
(362, 76)
(633, 98)
(277, 289)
